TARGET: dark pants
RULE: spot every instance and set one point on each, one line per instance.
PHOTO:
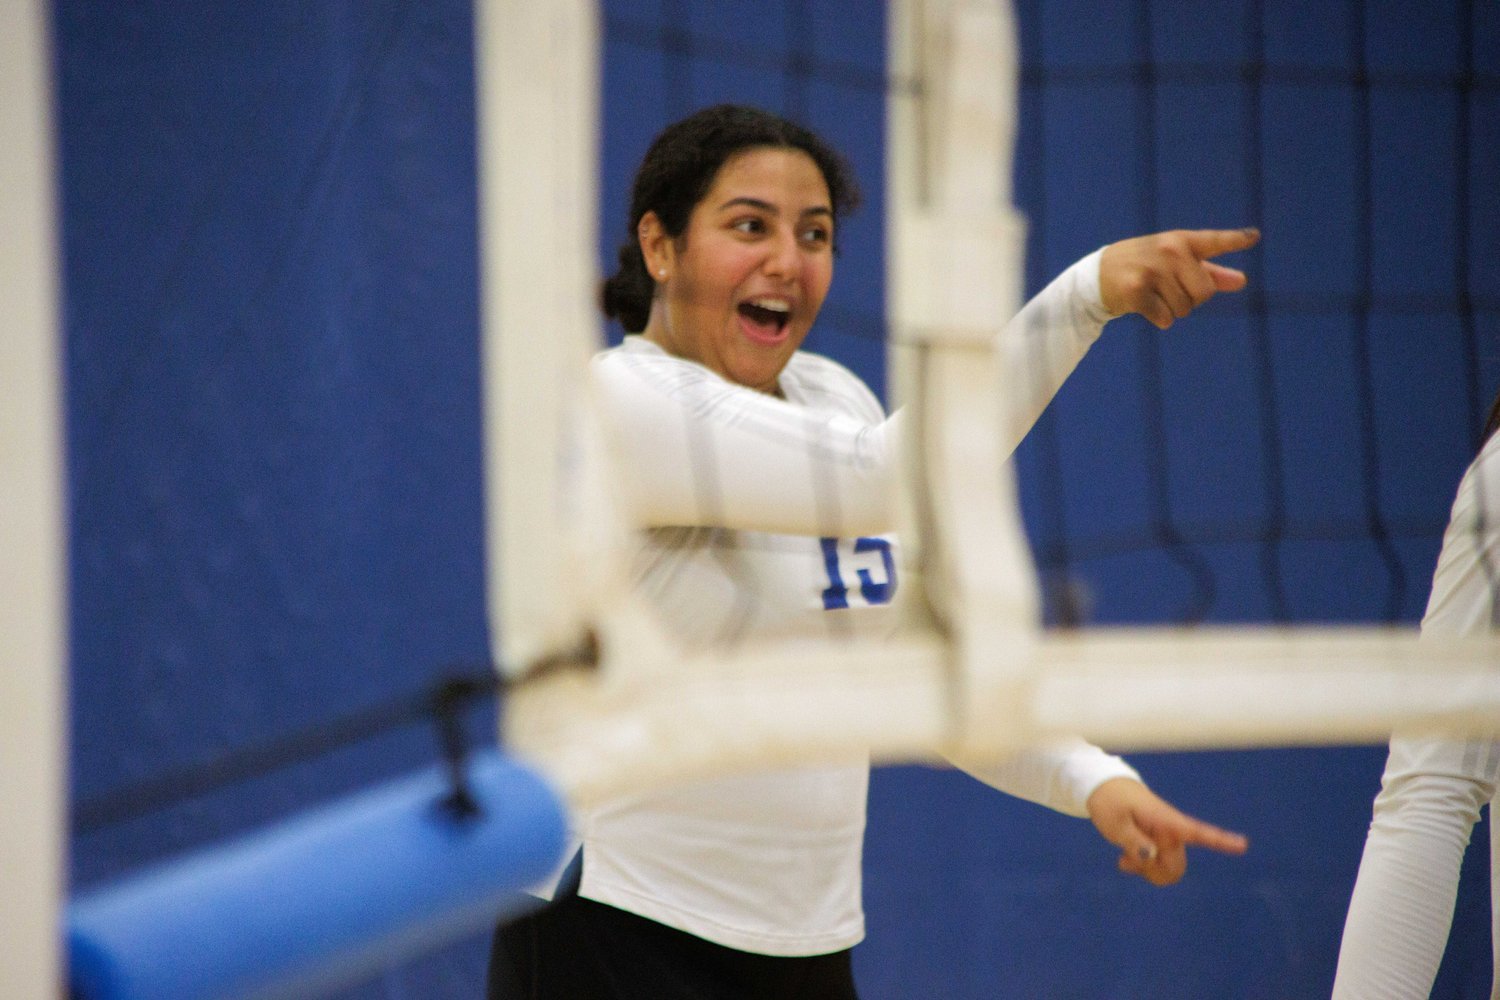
(578, 949)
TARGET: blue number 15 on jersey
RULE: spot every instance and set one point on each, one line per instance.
(872, 563)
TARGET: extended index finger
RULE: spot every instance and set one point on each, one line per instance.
(1201, 834)
(1206, 243)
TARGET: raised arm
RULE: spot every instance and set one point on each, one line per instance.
(694, 449)
(1164, 277)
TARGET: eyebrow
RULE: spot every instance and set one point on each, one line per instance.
(771, 209)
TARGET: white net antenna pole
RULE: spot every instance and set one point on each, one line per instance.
(32, 608)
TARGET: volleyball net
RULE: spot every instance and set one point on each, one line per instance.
(974, 670)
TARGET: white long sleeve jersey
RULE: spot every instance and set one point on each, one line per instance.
(1432, 789)
(770, 518)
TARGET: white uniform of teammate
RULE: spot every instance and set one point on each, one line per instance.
(770, 521)
(1432, 790)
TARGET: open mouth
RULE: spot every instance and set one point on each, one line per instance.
(765, 319)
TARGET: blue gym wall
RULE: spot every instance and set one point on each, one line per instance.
(274, 444)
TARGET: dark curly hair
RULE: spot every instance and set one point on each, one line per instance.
(677, 172)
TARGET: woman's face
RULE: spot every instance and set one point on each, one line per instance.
(740, 288)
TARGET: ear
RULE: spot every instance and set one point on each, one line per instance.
(658, 249)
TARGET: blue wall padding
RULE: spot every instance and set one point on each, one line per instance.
(322, 900)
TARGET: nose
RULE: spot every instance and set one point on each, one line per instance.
(783, 257)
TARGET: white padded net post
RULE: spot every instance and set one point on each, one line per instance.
(32, 588)
(550, 531)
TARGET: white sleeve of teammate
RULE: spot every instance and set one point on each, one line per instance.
(694, 449)
(1059, 776)
(1402, 907)
(1432, 790)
